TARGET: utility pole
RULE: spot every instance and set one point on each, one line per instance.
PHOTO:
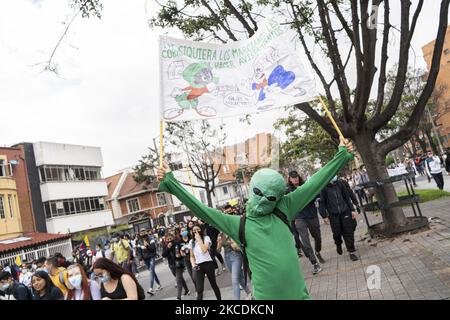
(435, 131)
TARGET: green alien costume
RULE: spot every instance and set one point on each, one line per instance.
(273, 260)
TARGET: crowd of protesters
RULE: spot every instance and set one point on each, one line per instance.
(109, 270)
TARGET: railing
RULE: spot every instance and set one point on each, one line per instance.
(412, 199)
(29, 254)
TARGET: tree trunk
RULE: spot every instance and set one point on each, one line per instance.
(376, 169)
(208, 195)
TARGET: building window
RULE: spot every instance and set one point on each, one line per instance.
(161, 197)
(2, 168)
(69, 173)
(133, 205)
(225, 190)
(11, 207)
(2, 208)
(66, 207)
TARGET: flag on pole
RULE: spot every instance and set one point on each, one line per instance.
(18, 261)
(85, 243)
(202, 80)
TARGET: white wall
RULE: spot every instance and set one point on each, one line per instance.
(73, 189)
(67, 154)
(80, 222)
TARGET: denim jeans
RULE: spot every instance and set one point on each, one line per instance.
(150, 263)
(233, 260)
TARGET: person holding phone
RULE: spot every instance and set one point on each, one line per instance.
(202, 263)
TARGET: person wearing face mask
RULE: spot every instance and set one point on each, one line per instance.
(117, 283)
(202, 263)
(80, 287)
(12, 289)
(186, 251)
(171, 251)
(147, 248)
(337, 206)
(307, 222)
(276, 272)
(25, 275)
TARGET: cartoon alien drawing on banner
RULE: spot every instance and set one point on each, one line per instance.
(201, 80)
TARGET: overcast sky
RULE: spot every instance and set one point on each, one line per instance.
(106, 94)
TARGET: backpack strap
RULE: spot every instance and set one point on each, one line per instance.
(61, 278)
(243, 242)
(283, 218)
(243, 246)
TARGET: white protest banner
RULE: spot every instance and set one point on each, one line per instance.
(203, 80)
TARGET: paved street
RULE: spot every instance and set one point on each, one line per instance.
(413, 266)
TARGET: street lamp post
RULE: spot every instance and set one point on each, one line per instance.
(435, 131)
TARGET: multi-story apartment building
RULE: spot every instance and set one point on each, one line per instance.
(72, 190)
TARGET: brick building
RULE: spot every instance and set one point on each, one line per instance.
(133, 202)
(15, 194)
(443, 108)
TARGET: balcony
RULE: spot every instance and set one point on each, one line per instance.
(7, 183)
(73, 189)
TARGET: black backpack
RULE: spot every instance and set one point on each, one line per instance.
(247, 270)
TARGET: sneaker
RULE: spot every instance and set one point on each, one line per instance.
(339, 249)
(151, 292)
(317, 268)
(353, 257)
(158, 287)
(319, 257)
(187, 293)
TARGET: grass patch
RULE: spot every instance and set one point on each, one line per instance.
(427, 194)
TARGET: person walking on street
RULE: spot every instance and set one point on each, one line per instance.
(434, 168)
(233, 259)
(307, 222)
(213, 234)
(186, 251)
(409, 167)
(148, 254)
(337, 207)
(447, 161)
(122, 251)
(202, 263)
(171, 251)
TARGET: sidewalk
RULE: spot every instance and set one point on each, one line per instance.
(413, 266)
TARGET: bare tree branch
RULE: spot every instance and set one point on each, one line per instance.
(408, 129)
(235, 12)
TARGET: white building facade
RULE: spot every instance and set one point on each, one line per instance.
(72, 188)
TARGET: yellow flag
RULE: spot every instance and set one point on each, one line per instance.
(18, 261)
(86, 241)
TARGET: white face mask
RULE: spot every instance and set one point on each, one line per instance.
(76, 281)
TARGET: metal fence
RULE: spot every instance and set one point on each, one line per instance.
(63, 246)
